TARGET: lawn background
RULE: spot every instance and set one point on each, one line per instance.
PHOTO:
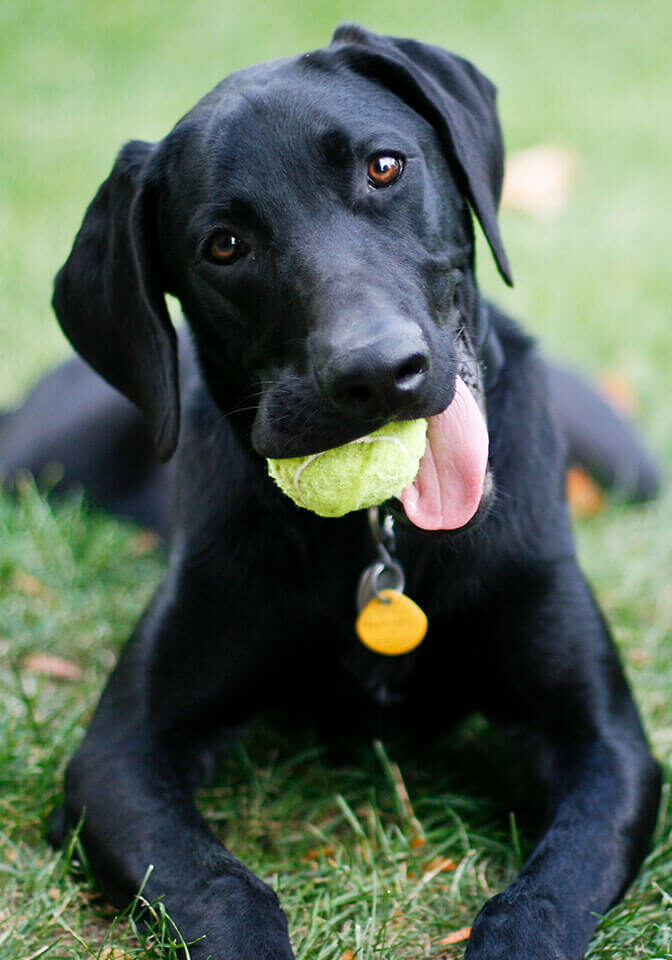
(80, 79)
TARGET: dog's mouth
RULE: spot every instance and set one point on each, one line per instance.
(451, 482)
(452, 488)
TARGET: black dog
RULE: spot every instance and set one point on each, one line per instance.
(313, 216)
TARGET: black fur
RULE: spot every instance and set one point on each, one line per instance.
(304, 343)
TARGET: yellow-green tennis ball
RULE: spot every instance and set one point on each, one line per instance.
(359, 474)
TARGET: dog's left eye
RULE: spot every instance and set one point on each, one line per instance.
(384, 170)
(225, 248)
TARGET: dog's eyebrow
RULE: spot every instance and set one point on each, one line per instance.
(335, 145)
(340, 147)
(236, 211)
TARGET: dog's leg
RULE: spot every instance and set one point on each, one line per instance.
(560, 683)
(184, 681)
(600, 440)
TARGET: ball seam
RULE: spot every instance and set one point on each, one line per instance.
(367, 439)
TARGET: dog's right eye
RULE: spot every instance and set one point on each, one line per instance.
(225, 248)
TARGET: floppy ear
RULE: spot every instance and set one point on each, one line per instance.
(456, 99)
(108, 296)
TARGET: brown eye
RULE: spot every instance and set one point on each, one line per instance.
(384, 169)
(225, 248)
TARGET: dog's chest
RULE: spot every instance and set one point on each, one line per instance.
(381, 679)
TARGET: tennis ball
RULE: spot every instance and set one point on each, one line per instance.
(359, 474)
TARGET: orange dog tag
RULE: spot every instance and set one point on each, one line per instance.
(391, 623)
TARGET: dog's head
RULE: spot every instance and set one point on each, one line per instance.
(313, 217)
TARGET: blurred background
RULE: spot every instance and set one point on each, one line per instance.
(593, 79)
(586, 103)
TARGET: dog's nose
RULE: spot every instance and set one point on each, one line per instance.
(381, 379)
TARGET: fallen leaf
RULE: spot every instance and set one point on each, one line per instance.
(47, 665)
(616, 389)
(440, 865)
(143, 542)
(315, 853)
(639, 657)
(583, 494)
(417, 841)
(457, 936)
(347, 955)
(540, 181)
(30, 586)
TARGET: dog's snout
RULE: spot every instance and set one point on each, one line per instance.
(381, 379)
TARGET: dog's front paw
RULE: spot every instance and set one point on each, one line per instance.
(516, 928)
(236, 918)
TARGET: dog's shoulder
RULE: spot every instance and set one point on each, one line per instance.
(521, 417)
(527, 450)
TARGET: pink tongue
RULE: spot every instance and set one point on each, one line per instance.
(447, 490)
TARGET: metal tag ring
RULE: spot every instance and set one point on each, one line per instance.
(390, 567)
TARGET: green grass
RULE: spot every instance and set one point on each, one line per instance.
(595, 285)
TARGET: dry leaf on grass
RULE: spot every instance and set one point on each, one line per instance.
(56, 668)
(143, 542)
(540, 181)
(639, 657)
(583, 494)
(616, 389)
(440, 865)
(457, 936)
(30, 586)
(347, 955)
(316, 852)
